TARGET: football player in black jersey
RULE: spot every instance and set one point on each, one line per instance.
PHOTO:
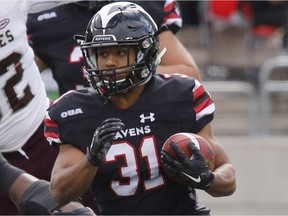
(62, 54)
(111, 134)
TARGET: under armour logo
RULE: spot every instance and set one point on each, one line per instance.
(144, 118)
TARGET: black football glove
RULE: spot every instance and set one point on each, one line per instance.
(102, 140)
(193, 172)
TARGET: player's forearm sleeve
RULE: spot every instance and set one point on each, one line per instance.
(8, 174)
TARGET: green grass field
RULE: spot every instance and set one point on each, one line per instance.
(53, 95)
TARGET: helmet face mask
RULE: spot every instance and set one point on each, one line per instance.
(116, 78)
(119, 25)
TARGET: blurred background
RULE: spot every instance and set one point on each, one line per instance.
(241, 50)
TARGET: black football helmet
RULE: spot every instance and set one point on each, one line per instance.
(121, 24)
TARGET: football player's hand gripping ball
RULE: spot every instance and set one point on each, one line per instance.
(193, 171)
(102, 140)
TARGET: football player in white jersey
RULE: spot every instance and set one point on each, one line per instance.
(23, 97)
(23, 103)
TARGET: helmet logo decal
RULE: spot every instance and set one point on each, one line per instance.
(107, 15)
(104, 38)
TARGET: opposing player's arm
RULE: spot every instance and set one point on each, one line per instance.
(177, 59)
(224, 183)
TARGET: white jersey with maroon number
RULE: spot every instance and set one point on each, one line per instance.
(23, 100)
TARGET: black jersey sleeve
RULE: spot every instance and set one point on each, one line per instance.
(70, 120)
(193, 106)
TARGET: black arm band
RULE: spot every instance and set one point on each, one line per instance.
(37, 200)
(8, 174)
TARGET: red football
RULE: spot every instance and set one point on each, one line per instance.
(183, 139)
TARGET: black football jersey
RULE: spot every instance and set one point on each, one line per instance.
(51, 33)
(130, 180)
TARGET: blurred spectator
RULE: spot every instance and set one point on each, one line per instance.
(269, 16)
(190, 12)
